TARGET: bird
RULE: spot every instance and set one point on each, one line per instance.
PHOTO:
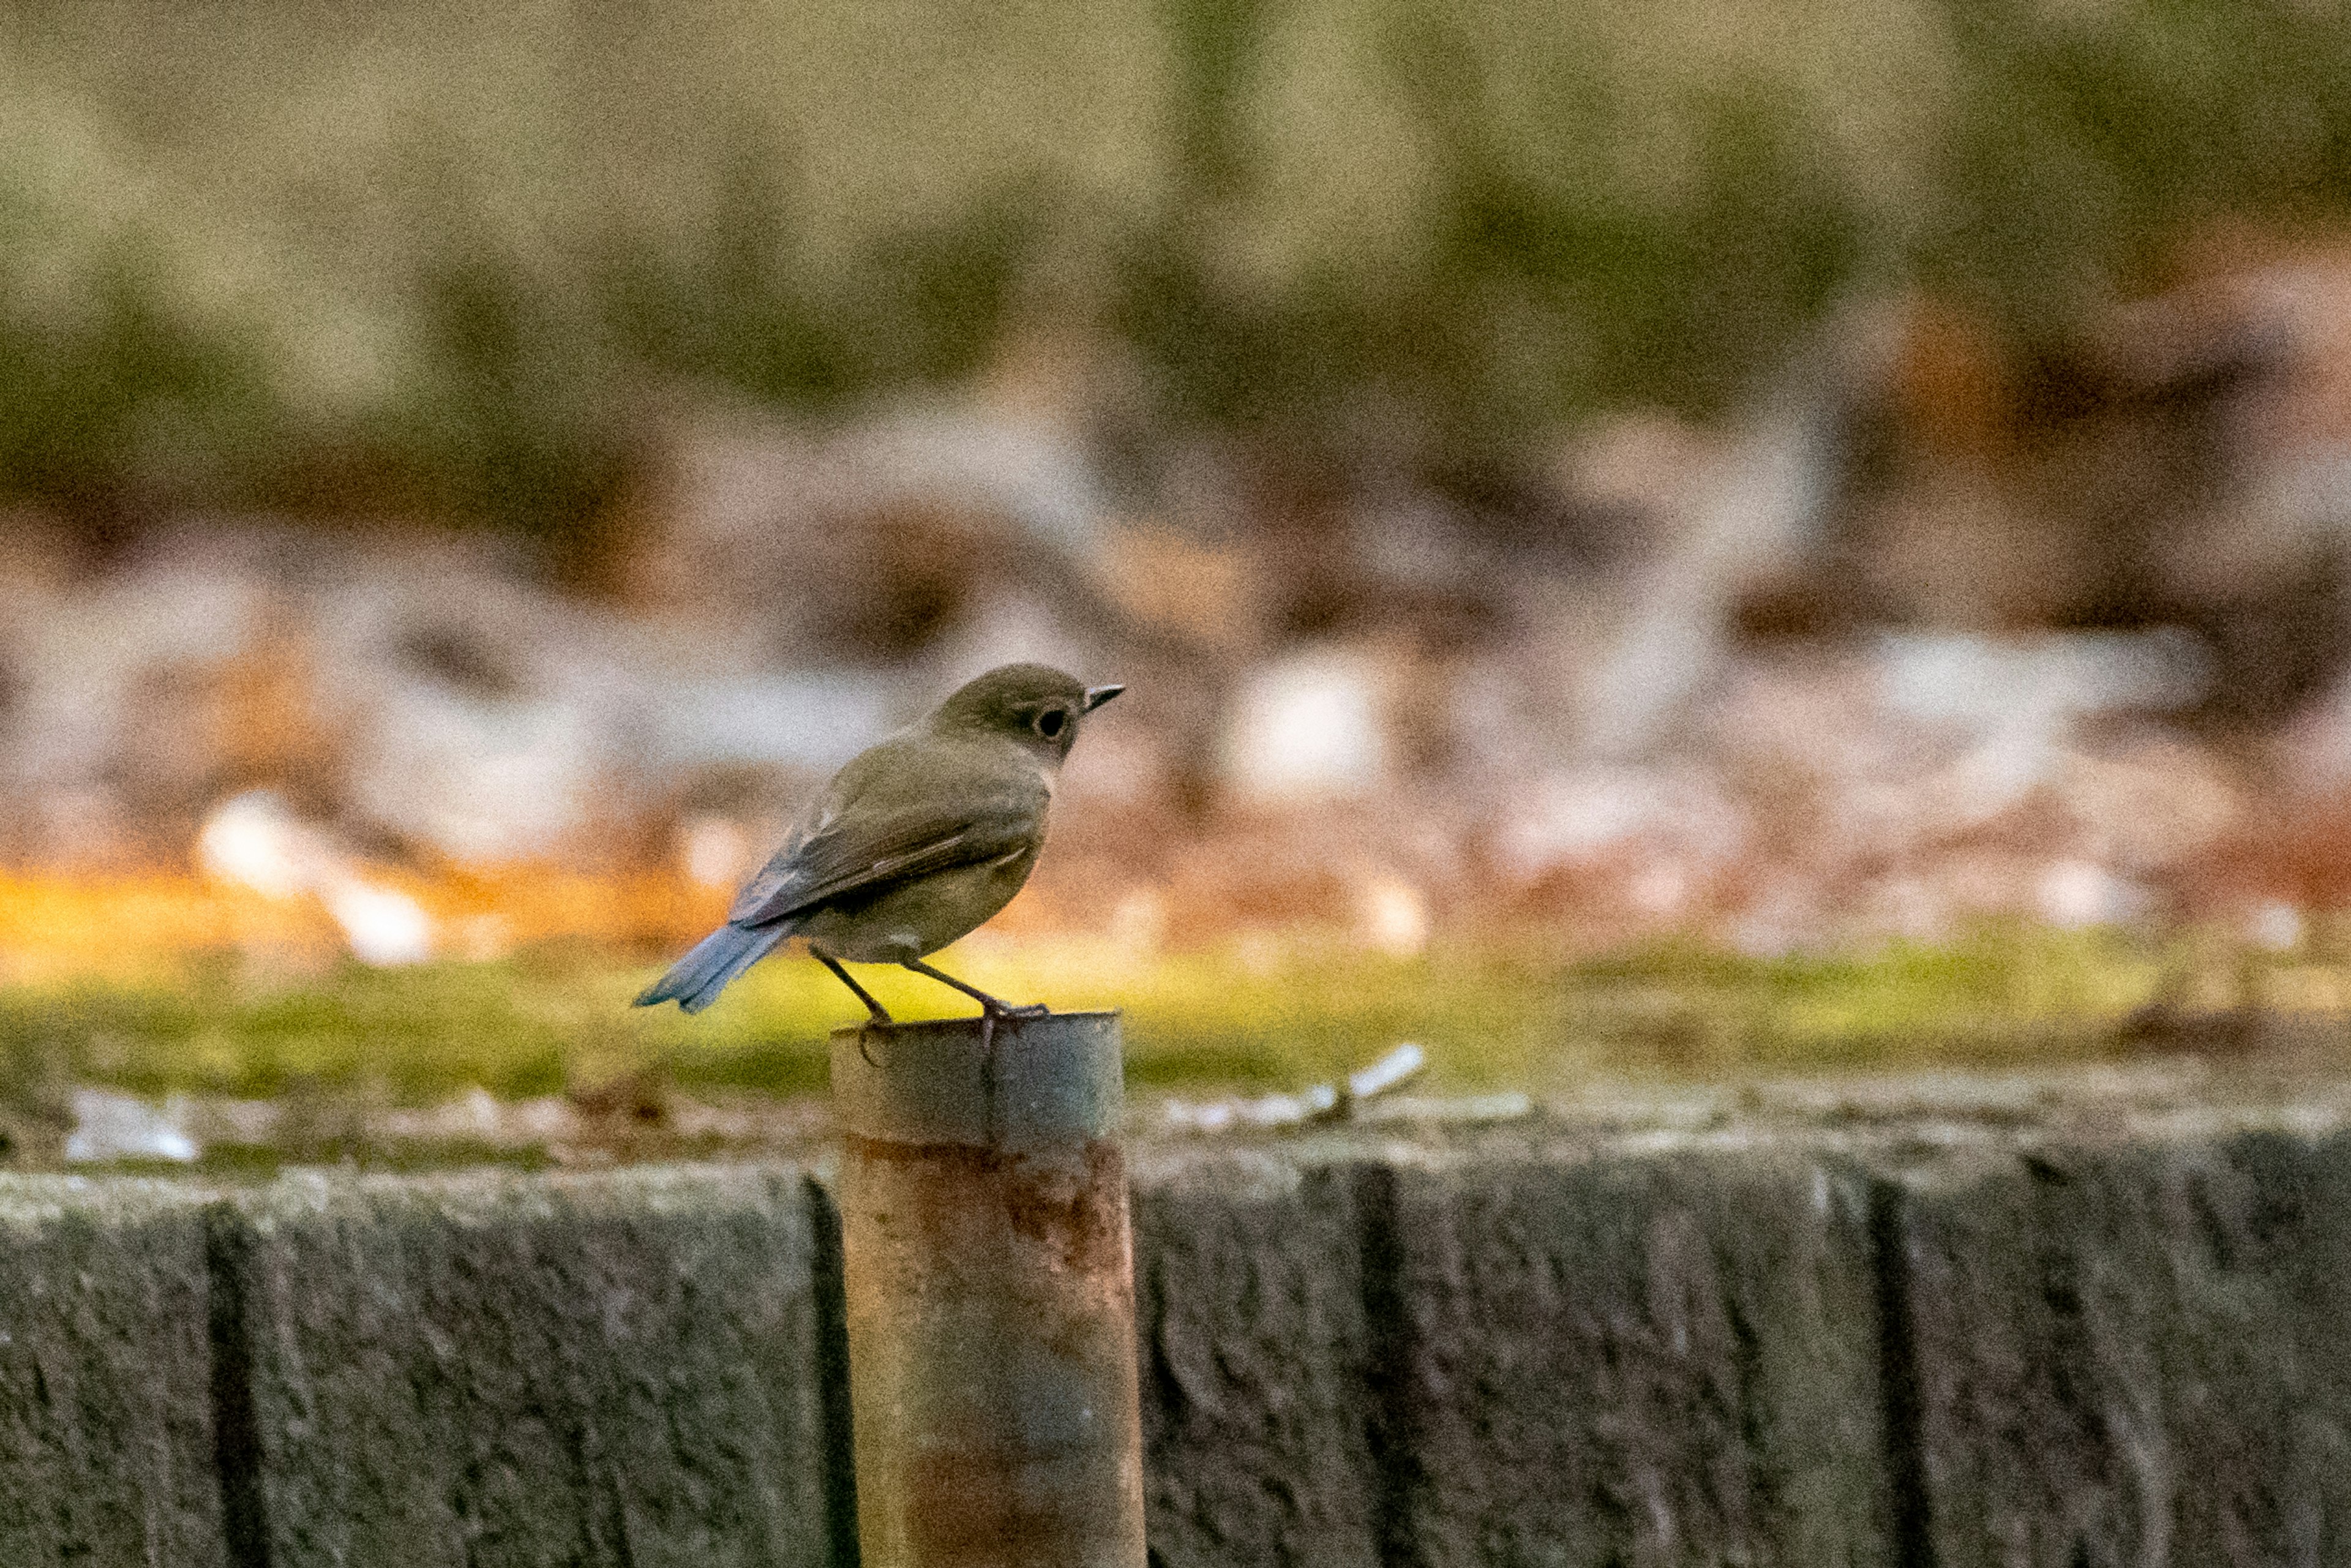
(918, 840)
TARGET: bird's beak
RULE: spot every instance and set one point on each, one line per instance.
(1097, 695)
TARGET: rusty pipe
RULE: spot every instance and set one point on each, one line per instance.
(990, 1281)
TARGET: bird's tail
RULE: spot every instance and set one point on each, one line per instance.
(694, 981)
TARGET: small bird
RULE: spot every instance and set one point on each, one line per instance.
(918, 840)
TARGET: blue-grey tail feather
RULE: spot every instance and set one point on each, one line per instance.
(694, 981)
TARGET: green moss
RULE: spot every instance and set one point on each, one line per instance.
(1264, 1015)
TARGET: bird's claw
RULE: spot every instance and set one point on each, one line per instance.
(877, 1019)
(989, 1013)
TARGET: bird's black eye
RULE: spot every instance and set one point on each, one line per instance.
(1050, 722)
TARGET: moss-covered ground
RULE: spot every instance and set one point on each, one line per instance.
(1266, 1012)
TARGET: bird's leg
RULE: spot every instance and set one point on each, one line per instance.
(990, 1009)
(881, 1014)
(992, 1004)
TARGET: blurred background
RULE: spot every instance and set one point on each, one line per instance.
(1681, 539)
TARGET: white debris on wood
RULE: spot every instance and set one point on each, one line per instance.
(1319, 1102)
(1264, 1111)
(1403, 1063)
(118, 1127)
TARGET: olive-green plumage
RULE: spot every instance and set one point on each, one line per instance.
(917, 841)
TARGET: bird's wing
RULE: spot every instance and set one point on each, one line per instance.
(864, 849)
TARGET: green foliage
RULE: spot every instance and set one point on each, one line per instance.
(123, 397)
(449, 257)
(2085, 137)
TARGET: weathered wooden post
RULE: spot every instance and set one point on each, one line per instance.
(990, 1283)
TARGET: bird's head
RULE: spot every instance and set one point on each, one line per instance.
(1032, 703)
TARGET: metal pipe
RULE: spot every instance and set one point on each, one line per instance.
(989, 1272)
